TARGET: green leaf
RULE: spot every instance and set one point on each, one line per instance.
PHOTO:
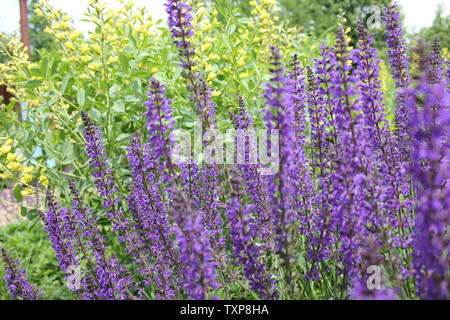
(81, 97)
(44, 67)
(34, 83)
(23, 211)
(64, 83)
(119, 106)
(17, 194)
(113, 90)
(123, 59)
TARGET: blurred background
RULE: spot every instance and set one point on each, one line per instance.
(421, 17)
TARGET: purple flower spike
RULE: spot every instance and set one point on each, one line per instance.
(429, 106)
(400, 70)
(16, 279)
(194, 244)
(247, 252)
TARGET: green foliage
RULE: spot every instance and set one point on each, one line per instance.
(29, 242)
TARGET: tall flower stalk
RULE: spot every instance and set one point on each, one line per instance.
(430, 123)
(18, 285)
(399, 61)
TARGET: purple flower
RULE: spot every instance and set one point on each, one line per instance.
(61, 235)
(179, 13)
(249, 170)
(246, 251)
(153, 243)
(366, 285)
(104, 277)
(199, 270)
(400, 70)
(435, 72)
(429, 107)
(104, 179)
(16, 279)
(280, 116)
(159, 121)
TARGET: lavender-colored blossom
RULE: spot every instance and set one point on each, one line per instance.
(159, 120)
(435, 72)
(153, 242)
(280, 116)
(104, 180)
(249, 171)
(390, 185)
(362, 282)
(400, 70)
(179, 13)
(353, 197)
(60, 234)
(194, 244)
(104, 278)
(315, 223)
(429, 106)
(16, 279)
(246, 251)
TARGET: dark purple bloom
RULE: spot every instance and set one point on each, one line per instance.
(246, 251)
(280, 116)
(400, 70)
(194, 244)
(159, 121)
(104, 179)
(152, 236)
(180, 18)
(104, 277)
(429, 106)
(16, 279)
(61, 235)
(246, 158)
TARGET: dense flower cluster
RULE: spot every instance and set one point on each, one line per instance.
(345, 195)
(16, 279)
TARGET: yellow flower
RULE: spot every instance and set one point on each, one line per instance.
(96, 48)
(26, 178)
(14, 165)
(5, 176)
(207, 46)
(85, 59)
(154, 70)
(69, 45)
(113, 59)
(26, 192)
(11, 156)
(95, 66)
(5, 149)
(84, 48)
(207, 27)
(43, 180)
(213, 56)
(211, 76)
(215, 93)
(60, 35)
(9, 142)
(83, 76)
(28, 169)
